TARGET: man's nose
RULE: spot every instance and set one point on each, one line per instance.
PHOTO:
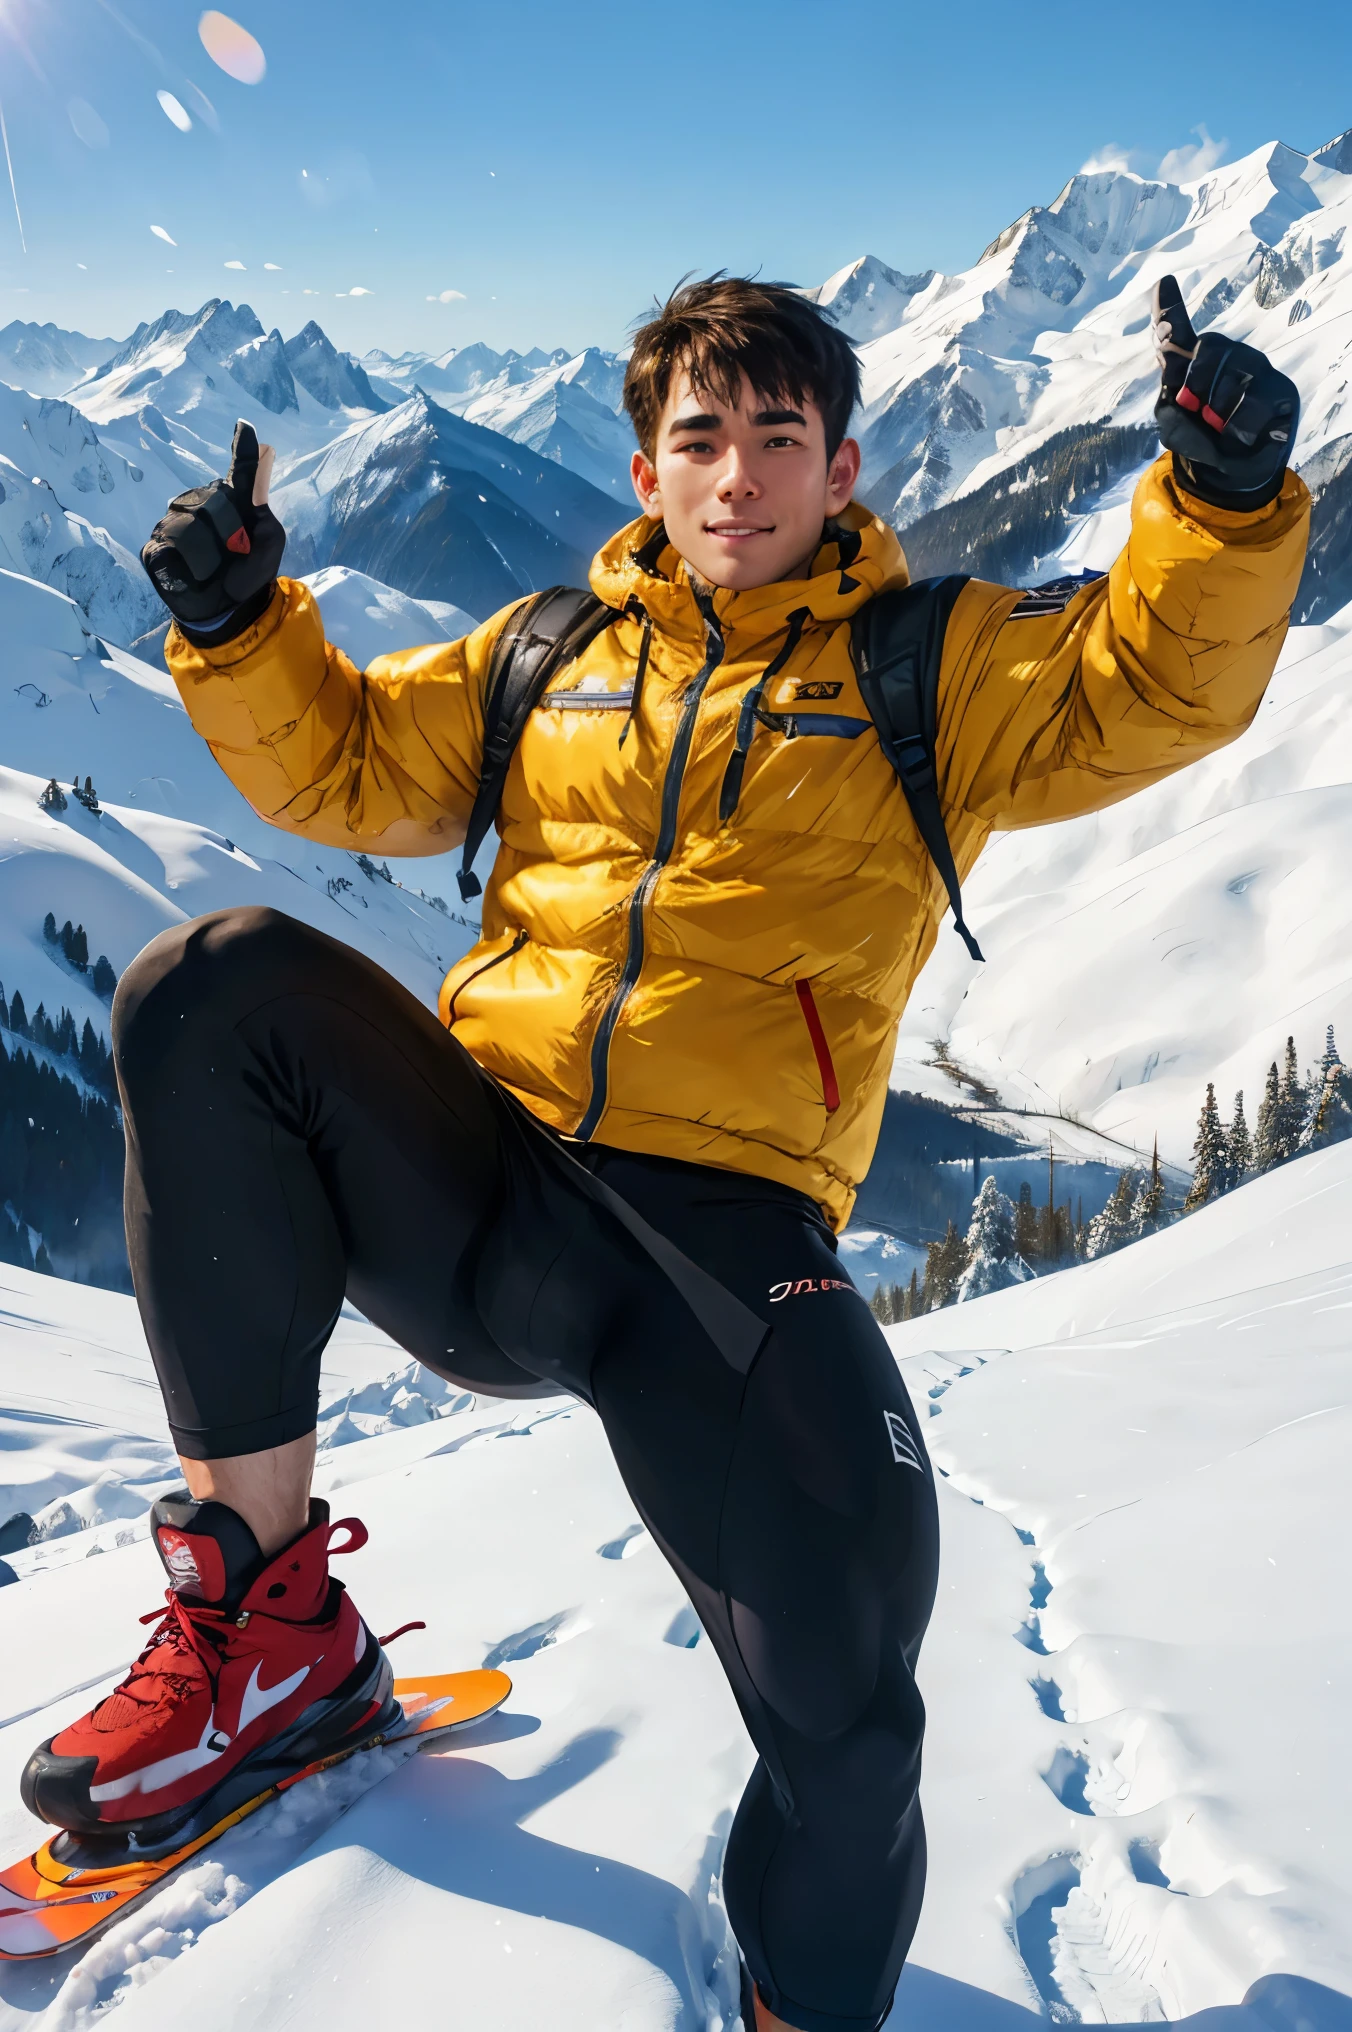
(736, 481)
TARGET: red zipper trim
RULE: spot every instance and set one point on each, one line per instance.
(807, 1003)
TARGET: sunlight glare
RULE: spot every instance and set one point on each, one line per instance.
(231, 48)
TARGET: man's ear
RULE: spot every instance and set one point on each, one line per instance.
(842, 474)
(643, 473)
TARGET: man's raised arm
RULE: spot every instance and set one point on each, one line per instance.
(1054, 706)
(384, 758)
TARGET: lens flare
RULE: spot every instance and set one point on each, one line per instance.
(172, 110)
(232, 48)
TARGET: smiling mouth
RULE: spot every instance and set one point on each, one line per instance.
(736, 530)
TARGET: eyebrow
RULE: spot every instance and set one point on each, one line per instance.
(685, 423)
(764, 416)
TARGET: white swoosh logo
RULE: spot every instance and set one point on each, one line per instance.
(257, 1700)
(168, 1770)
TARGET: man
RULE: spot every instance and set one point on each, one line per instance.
(623, 1169)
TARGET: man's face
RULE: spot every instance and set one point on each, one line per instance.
(743, 489)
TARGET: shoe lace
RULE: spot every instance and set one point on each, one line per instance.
(181, 1630)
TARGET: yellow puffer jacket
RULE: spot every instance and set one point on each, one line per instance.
(729, 991)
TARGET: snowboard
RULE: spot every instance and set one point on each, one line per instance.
(47, 1906)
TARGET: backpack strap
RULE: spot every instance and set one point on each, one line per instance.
(545, 632)
(897, 640)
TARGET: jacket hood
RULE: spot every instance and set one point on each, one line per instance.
(859, 556)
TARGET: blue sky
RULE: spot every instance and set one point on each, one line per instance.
(557, 166)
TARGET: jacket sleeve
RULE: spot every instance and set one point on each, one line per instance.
(1045, 716)
(387, 757)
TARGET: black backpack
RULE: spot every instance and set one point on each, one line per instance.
(896, 640)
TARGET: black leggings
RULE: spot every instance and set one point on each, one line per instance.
(299, 1127)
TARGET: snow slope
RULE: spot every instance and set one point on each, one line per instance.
(175, 838)
(1163, 1438)
(369, 619)
(1135, 1785)
(1176, 938)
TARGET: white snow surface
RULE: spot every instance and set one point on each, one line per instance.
(370, 619)
(1135, 1785)
(175, 838)
(1173, 939)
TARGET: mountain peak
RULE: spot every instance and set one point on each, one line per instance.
(334, 379)
(866, 297)
(1336, 154)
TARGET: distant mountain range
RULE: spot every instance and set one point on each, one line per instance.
(441, 509)
(1028, 375)
(1006, 417)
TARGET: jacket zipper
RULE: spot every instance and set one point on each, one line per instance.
(672, 781)
(487, 967)
(807, 1002)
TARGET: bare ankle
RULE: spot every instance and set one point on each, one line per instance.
(269, 1490)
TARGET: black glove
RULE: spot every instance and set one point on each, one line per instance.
(214, 557)
(1225, 412)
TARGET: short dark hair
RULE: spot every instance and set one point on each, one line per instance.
(731, 329)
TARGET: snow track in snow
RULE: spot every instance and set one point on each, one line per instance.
(1134, 1784)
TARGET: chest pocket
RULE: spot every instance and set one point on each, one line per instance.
(589, 695)
(816, 717)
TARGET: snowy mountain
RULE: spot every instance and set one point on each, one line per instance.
(1141, 1482)
(198, 371)
(334, 379)
(369, 619)
(867, 298)
(46, 360)
(76, 506)
(566, 411)
(564, 406)
(441, 508)
(462, 370)
(1049, 329)
(174, 838)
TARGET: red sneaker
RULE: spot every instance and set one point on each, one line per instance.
(256, 1669)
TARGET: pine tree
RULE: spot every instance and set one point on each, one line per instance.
(18, 1015)
(53, 797)
(1025, 1225)
(1112, 1229)
(1267, 1134)
(105, 980)
(1239, 1147)
(49, 931)
(911, 1306)
(944, 1264)
(991, 1260)
(1148, 1212)
(1210, 1157)
(1291, 1109)
(1324, 1101)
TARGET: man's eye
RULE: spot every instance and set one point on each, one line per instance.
(772, 443)
(698, 445)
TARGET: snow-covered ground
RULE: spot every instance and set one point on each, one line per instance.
(1137, 1787)
(174, 839)
(1173, 939)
